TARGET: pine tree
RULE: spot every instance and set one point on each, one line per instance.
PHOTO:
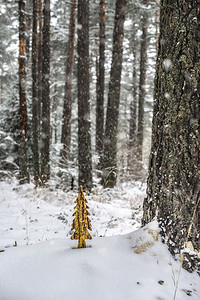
(45, 132)
(100, 87)
(132, 159)
(173, 188)
(24, 175)
(142, 88)
(84, 123)
(111, 128)
(81, 222)
(35, 101)
(67, 106)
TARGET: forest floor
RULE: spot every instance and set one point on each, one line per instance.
(38, 260)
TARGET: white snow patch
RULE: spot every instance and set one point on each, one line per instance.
(109, 268)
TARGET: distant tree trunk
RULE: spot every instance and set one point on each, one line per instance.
(111, 129)
(173, 188)
(157, 24)
(67, 107)
(24, 175)
(54, 130)
(35, 111)
(84, 125)
(142, 88)
(132, 159)
(46, 131)
(40, 21)
(100, 87)
(133, 107)
(2, 89)
(28, 29)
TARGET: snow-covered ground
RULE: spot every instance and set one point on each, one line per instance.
(29, 215)
(120, 262)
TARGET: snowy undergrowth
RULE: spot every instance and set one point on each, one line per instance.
(29, 215)
(125, 263)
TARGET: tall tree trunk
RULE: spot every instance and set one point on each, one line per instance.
(28, 28)
(111, 129)
(142, 88)
(1, 89)
(35, 111)
(132, 159)
(67, 107)
(54, 126)
(84, 124)
(157, 24)
(100, 87)
(24, 175)
(46, 130)
(133, 106)
(173, 189)
(40, 21)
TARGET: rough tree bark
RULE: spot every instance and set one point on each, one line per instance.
(84, 124)
(46, 130)
(111, 128)
(24, 175)
(100, 87)
(173, 189)
(35, 101)
(67, 106)
(40, 21)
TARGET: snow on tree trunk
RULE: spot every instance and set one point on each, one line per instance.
(173, 188)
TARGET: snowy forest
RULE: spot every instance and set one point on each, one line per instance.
(99, 149)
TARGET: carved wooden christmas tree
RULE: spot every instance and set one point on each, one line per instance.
(81, 222)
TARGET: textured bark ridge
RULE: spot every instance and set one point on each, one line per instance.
(100, 86)
(84, 123)
(36, 83)
(45, 135)
(173, 188)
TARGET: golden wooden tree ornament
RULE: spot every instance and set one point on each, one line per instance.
(81, 222)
